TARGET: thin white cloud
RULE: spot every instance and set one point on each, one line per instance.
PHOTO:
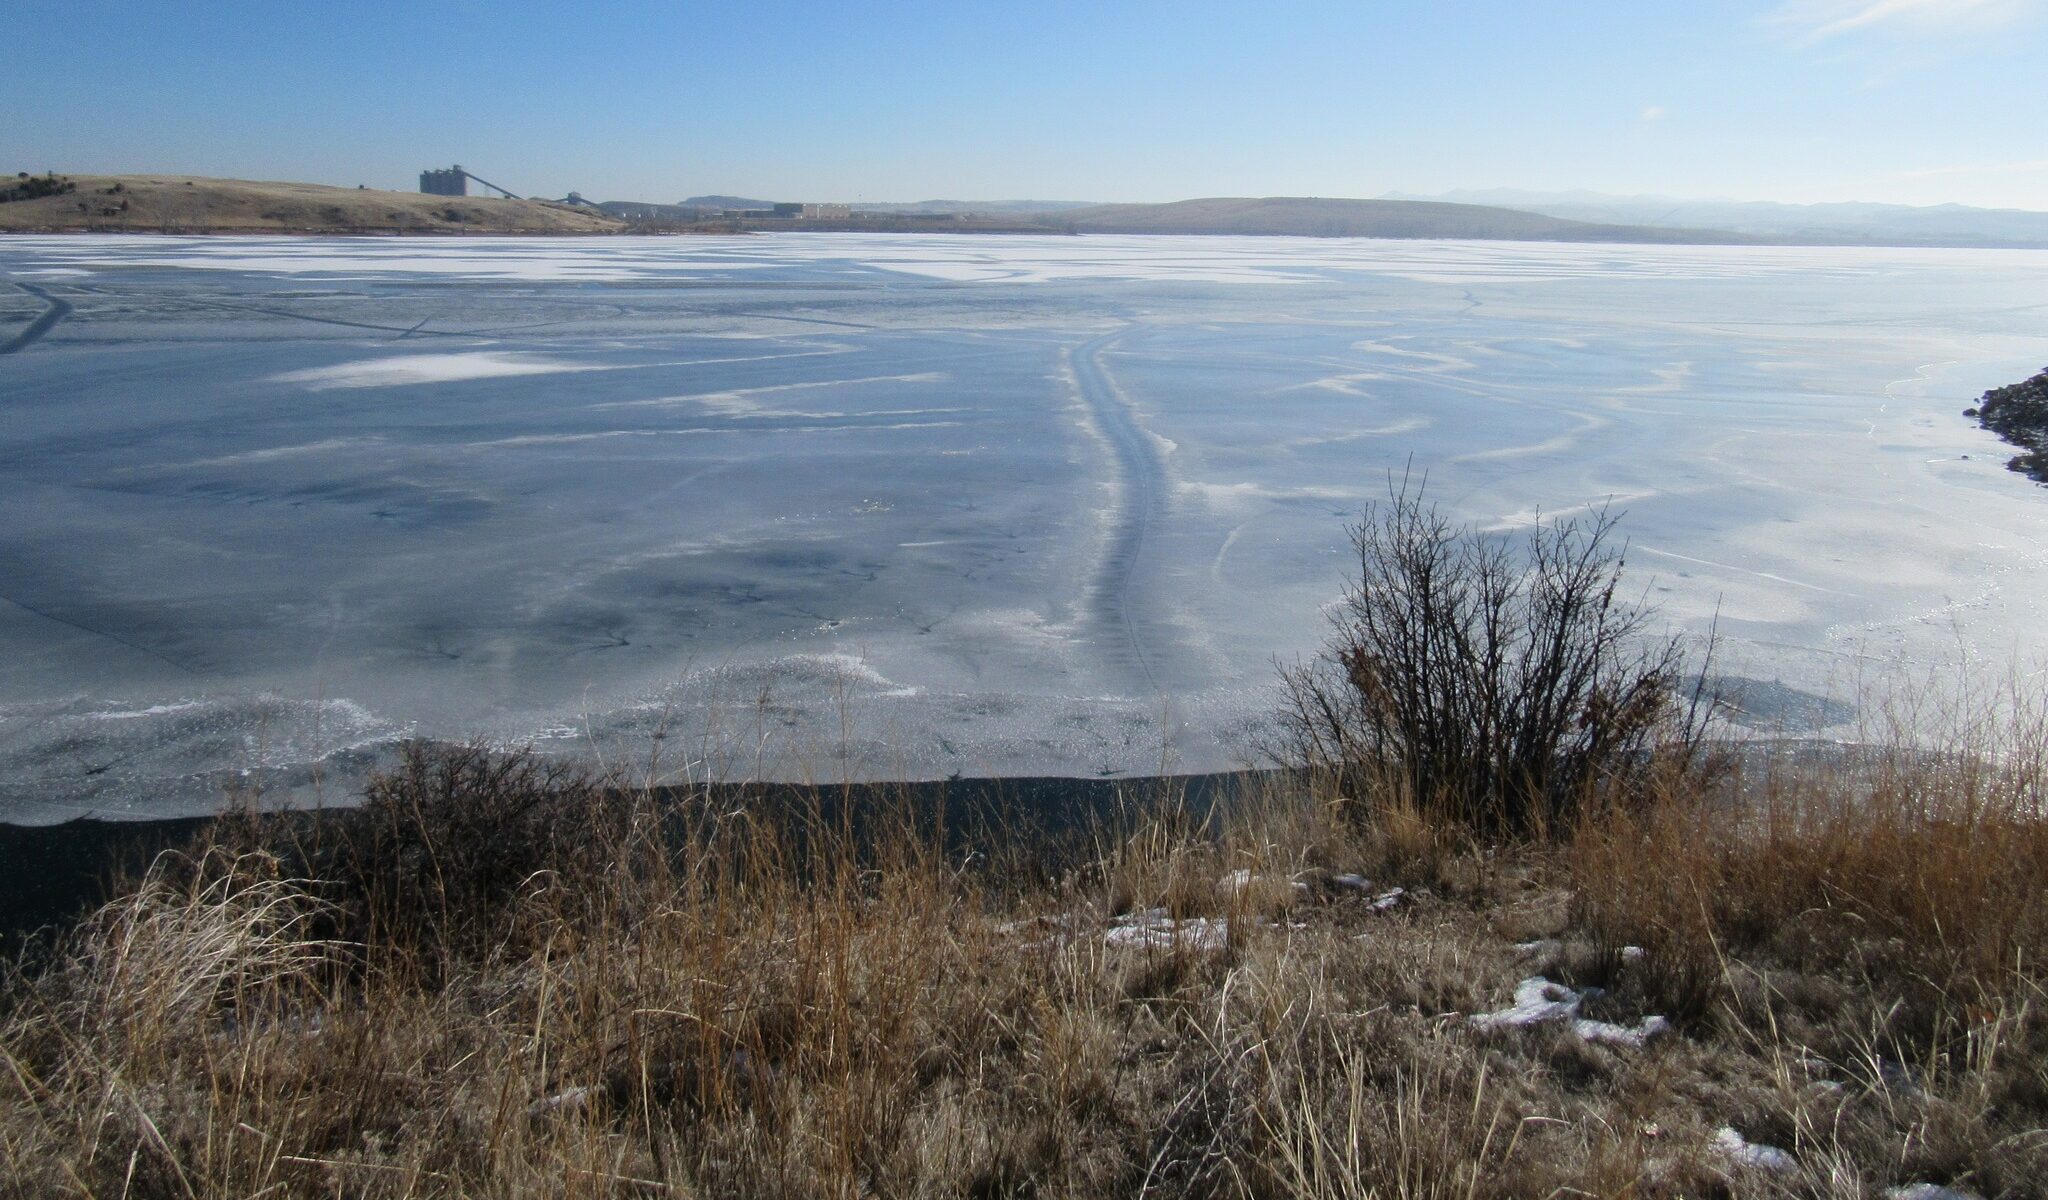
(1818, 20)
(1656, 112)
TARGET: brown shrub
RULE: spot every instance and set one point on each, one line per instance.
(1499, 688)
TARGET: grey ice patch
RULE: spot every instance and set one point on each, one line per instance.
(1774, 706)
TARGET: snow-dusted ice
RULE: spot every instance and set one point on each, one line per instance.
(822, 505)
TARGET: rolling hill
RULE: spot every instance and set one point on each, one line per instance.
(191, 204)
(1316, 217)
(1831, 224)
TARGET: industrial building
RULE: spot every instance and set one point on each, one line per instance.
(452, 182)
(455, 182)
(827, 212)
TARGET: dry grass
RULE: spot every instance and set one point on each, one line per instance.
(711, 999)
(196, 204)
(1872, 926)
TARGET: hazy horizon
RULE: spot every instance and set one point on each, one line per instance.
(1917, 102)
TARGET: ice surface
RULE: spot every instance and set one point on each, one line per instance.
(819, 506)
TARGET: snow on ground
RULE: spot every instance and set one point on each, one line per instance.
(1744, 1153)
(1154, 929)
(1538, 1002)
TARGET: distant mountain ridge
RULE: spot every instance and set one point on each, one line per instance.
(1006, 208)
(176, 203)
(1309, 216)
(707, 202)
(1851, 223)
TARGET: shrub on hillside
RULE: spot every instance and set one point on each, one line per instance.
(447, 843)
(35, 187)
(1494, 684)
(447, 846)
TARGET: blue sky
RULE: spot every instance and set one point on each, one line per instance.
(1906, 101)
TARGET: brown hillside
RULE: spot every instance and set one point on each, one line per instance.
(190, 204)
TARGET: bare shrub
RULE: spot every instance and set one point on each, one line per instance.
(1491, 684)
(450, 844)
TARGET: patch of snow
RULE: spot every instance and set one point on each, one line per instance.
(1351, 882)
(1538, 1001)
(572, 1098)
(1043, 923)
(1152, 929)
(1928, 1191)
(1632, 953)
(1386, 901)
(1608, 1033)
(1745, 1153)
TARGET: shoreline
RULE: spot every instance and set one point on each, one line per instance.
(79, 863)
(949, 229)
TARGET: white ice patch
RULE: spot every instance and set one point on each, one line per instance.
(1745, 1153)
(1153, 929)
(852, 671)
(1538, 1001)
(744, 401)
(154, 710)
(403, 369)
(1230, 495)
(1013, 260)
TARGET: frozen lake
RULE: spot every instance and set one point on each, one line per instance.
(813, 505)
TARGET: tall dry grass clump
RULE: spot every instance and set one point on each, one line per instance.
(1874, 917)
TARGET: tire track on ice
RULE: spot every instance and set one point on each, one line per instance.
(58, 310)
(1138, 477)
